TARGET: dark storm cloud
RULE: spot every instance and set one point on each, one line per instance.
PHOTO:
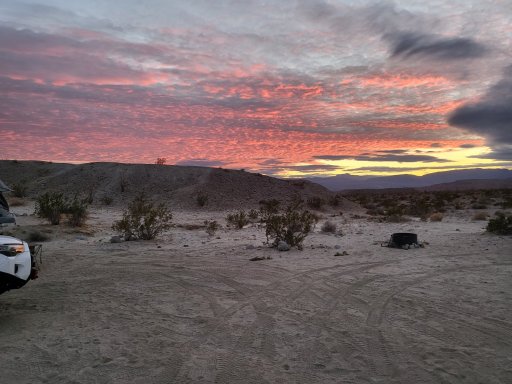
(408, 45)
(501, 153)
(385, 157)
(491, 117)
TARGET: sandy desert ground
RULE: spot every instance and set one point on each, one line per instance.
(187, 308)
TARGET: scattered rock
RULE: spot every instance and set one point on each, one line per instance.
(250, 246)
(185, 245)
(283, 246)
(337, 246)
(344, 253)
(116, 239)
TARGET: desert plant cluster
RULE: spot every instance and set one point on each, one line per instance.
(398, 205)
(143, 219)
(52, 206)
(501, 224)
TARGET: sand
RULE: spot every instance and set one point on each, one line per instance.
(187, 308)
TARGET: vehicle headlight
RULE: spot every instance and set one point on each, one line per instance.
(11, 249)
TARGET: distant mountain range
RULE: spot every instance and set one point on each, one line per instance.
(459, 179)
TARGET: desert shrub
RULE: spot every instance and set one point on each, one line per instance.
(143, 219)
(77, 211)
(202, 199)
(107, 200)
(315, 202)
(123, 182)
(211, 227)
(328, 227)
(36, 236)
(238, 219)
(480, 216)
(161, 161)
(19, 190)
(269, 206)
(436, 216)
(253, 214)
(501, 224)
(51, 206)
(292, 226)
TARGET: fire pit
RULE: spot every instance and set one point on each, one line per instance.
(403, 240)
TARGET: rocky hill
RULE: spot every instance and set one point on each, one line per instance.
(178, 186)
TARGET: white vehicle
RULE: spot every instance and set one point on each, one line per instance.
(18, 262)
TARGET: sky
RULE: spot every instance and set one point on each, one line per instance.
(288, 88)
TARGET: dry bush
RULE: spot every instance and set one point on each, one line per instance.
(51, 206)
(253, 214)
(202, 199)
(328, 227)
(143, 219)
(238, 219)
(292, 226)
(211, 227)
(19, 190)
(436, 216)
(501, 224)
(77, 211)
(480, 216)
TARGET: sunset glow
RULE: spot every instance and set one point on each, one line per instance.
(286, 88)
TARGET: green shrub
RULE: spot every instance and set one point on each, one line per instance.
(292, 226)
(143, 219)
(501, 224)
(77, 211)
(51, 206)
(19, 190)
(211, 227)
(253, 214)
(202, 199)
(238, 219)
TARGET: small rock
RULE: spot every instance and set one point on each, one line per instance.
(337, 246)
(250, 246)
(185, 245)
(283, 246)
(116, 239)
